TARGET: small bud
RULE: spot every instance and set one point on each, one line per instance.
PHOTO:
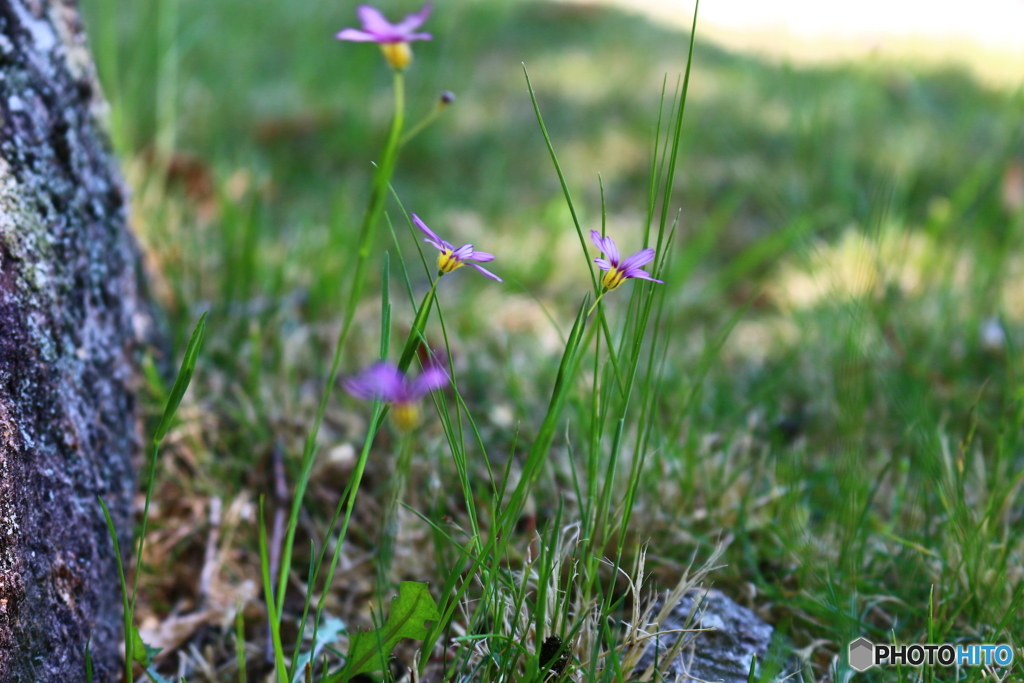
(447, 97)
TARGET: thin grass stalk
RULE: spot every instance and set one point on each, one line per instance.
(667, 194)
(389, 522)
(539, 451)
(652, 190)
(128, 620)
(456, 438)
(240, 644)
(596, 429)
(280, 669)
(561, 177)
(647, 407)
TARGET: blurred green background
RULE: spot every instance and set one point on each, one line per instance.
(264, 89)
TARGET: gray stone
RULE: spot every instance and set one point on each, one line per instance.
(730, 635)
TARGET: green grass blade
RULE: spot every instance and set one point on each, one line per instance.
(240, 644)
(181, 382)
(542, 443)
(385, 307)
(128, 616)
(671, 171)
(273, 617)
(561, 177)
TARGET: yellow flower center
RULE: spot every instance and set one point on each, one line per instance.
(398, 54)
(446, 263)
(405, 415)
(613, 277)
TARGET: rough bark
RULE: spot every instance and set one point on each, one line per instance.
(70, 317)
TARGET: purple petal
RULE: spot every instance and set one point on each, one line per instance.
(638, 259)
(638, 274)
(419, 36)
(606, 245)
(381, 380)
(603, 264)
(374, 22)
(463, 252)
(431, 235)
(414, 21)
(481, 256)
(487, 272)
(433, 377)
(355, 35)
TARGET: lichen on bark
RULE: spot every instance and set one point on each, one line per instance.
(71, 324)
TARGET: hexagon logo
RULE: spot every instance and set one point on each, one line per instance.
(862, 654)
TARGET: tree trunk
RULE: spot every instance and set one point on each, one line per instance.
(71, 323)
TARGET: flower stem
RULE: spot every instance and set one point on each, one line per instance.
(418, 325)
(378, 420)
(374, 208)
(378, 193)
(597, 301)
(389, 524)
(424, 122)
(380, 411)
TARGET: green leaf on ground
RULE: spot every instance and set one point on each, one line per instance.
(409, 613)
(142, 653)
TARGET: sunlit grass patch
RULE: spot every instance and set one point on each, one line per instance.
(861, 265)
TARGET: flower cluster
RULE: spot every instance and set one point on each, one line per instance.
(384, 381)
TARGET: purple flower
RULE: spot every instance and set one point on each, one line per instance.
(394, 39)
(386, 382)
(618, 271)
(451, 258)
(377, 29)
